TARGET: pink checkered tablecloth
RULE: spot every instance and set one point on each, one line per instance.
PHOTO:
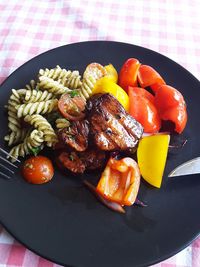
(30, 27)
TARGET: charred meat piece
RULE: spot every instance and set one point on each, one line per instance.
(72, 106)
(71, 161)
(75, 136)
(78, 162)
(111, 127)
(93, 159)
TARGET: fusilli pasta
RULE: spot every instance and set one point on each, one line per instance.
(32, 96)
(41, 124)
(62, 123)
(36, 108)
(67, 78)
(35, 139)
(46, 83)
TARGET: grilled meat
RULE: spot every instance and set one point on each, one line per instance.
(75, 136)
(71, 161)
(78, 162)
(93, 159)
(111, 127)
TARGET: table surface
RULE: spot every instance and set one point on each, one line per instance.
(30, 27)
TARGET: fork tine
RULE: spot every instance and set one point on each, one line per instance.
(5, 175)
(6, 168)
(7, 161)
(7, 154)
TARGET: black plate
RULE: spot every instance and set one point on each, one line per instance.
(63, 222)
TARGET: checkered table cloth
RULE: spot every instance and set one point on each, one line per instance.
(30, 27)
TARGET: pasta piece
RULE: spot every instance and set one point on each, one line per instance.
(36, 108)
(92, 74)
(41, 124)
(74, 80)
(36, 96)
(68, 78)
(62, 123)
(46, 83)
(16, 137)
(35, 139)
(13, 121)
(32, 85)
(87, 86)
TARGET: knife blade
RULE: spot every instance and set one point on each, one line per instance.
(189, 167)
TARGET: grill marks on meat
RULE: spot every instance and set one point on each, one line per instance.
(75, 136)
(111, 127)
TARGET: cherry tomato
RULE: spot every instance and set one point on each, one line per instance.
(38, 170)
(120, 181)
(72, 107)
(143, 92)
(144, 111)
(171, 106)
(147, 76)
(128, 73)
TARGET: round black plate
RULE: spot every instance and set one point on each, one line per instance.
(63, 222)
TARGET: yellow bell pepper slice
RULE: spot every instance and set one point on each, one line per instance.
(152, 154)
(106, 85)
(111, 73)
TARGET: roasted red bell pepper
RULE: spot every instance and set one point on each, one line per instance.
(148, 76)
(171, 106)
(142, 108)
(128, 73)
(120, 181)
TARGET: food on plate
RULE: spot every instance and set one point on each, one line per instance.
(68, 78)
(79, 162)
(120, 181)
(148, 76)
(106, 85)
(91, 75)
(111, 127)
(72, 106)
(38, 170)
(111, 73)
(76, 135)
(171, 106)
(96, 122)
(152, 154)
(143, 109)
(128, 73)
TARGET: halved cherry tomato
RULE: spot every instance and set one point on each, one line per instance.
(120, 181)
(95, 69)
(144, 111)
(72, 107)
(38, 170)
(171, 106)
(143, 92)
(128, 73)
(147, 76)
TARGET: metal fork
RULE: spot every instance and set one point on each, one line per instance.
(6, 167)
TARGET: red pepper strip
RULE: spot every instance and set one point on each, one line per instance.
(109, 204)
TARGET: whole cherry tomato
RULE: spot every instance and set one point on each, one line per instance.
(147, 76)
(128, 73)
(38, 170)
